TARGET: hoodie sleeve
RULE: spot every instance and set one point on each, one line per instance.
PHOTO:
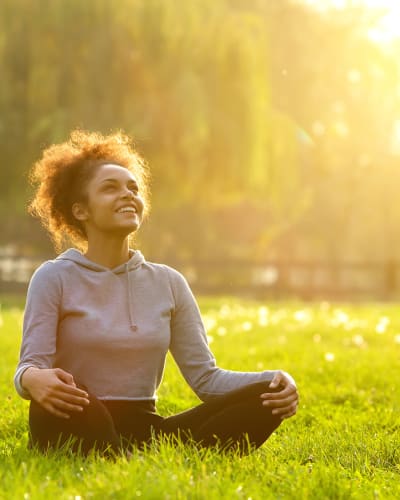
(190, 349)
(40, 323)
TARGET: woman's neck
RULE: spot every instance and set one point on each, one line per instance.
(109, 253)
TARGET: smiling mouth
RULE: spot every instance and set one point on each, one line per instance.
(131, 210)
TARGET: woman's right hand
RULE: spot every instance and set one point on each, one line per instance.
(55, 390)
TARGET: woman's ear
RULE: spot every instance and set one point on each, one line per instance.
(79, 211)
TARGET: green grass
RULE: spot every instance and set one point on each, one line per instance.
(344, 442)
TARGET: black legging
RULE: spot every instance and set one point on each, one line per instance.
(234, 420)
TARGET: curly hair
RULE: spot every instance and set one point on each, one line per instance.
(63, 172)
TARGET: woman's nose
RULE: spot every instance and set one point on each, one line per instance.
(127, 193)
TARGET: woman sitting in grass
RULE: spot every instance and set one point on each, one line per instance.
(99, 321)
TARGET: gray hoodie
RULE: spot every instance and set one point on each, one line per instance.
(111, 329)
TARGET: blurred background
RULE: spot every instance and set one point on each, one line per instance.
(271, 128)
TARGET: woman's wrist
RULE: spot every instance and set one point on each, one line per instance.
(26, 377)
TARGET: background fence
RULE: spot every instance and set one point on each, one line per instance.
(297, 279)
(269, 279)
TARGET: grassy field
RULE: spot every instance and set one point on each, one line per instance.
(344, 442)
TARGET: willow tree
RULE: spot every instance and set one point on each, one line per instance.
(189, 80)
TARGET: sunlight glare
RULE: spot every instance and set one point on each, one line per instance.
(387, 28)
(247, 326)
(209, 323)
(302, 316)
(396, 137)
(382, 325)
(358, 340)
(340, 318)
(221, 331)
(329, 356)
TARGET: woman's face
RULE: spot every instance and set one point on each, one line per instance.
(114, 204)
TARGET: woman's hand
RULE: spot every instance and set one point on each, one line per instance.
(284, 402)
(55, 390)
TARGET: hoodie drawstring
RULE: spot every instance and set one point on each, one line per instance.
(132, 325)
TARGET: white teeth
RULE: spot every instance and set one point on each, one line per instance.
(127, 209)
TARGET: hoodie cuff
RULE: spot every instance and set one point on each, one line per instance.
(17, 381)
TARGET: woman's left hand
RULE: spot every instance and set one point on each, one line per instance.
(284, 402)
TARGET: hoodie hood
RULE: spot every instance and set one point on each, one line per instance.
(136, 259)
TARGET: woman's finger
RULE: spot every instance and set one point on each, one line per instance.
(54, 411)
(277, 380)
(290, 389)
(70, 398)
(288, 414)
(280, 403)
(64, 376)
(67, 401)
(285, 412)
(63, 405)
(70, 389)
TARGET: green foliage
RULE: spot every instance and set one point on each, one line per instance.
(270, 110)
(189, 81)
(343, 444)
